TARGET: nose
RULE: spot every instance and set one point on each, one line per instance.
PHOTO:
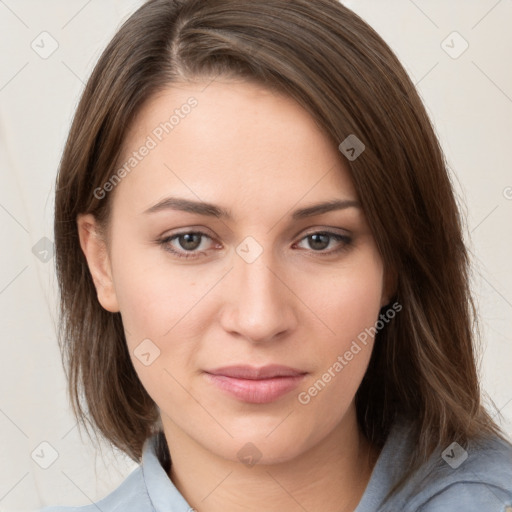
(259, 305)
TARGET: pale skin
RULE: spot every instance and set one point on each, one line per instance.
(261, 157)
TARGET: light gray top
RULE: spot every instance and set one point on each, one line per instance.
(476, 480)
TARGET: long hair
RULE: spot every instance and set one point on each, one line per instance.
(331, 62)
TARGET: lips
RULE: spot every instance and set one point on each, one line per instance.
(253, 373)
(255, 385)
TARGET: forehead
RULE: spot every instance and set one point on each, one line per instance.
(228, 140)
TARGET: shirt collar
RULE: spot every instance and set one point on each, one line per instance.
(162, 492)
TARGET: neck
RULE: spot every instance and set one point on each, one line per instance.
(331, 476)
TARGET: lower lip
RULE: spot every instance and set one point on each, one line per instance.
(259, 391)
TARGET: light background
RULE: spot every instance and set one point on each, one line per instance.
(469, 99)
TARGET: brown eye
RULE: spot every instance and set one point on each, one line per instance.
(319, 241)
(325, 242)
(191, 244)
(189, 241)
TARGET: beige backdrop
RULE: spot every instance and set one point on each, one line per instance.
(458, 54)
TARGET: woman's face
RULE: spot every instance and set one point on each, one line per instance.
(236, 240)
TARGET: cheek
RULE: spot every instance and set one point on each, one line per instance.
(154, 296)
(165, 314)
(347, 308)
(158, 305)
(348, 300)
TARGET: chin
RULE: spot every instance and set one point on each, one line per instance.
(262, 449)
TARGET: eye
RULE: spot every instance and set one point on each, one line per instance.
(322, 240)
(195, 244)
(189, 244)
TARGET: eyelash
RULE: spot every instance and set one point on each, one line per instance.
(165, 243)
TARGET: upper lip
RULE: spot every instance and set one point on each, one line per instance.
(254, 373)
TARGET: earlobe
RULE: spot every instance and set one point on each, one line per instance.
(95, 250)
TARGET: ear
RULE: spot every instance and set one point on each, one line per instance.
(95, 250)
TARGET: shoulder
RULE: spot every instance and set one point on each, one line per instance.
(146, 489)
(470, 497)
(475, 479)
(130, 496)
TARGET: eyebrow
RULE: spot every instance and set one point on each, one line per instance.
(328, 206)
(211, 210)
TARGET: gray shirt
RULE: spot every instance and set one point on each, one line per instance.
(478, 479)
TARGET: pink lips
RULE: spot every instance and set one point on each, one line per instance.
(256, 385)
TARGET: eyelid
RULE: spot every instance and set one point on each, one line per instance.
(324, 229)
(345, 233)
(188, 229)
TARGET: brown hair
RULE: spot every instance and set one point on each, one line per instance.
(333, 64)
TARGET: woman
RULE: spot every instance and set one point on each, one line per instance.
(263, 280)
